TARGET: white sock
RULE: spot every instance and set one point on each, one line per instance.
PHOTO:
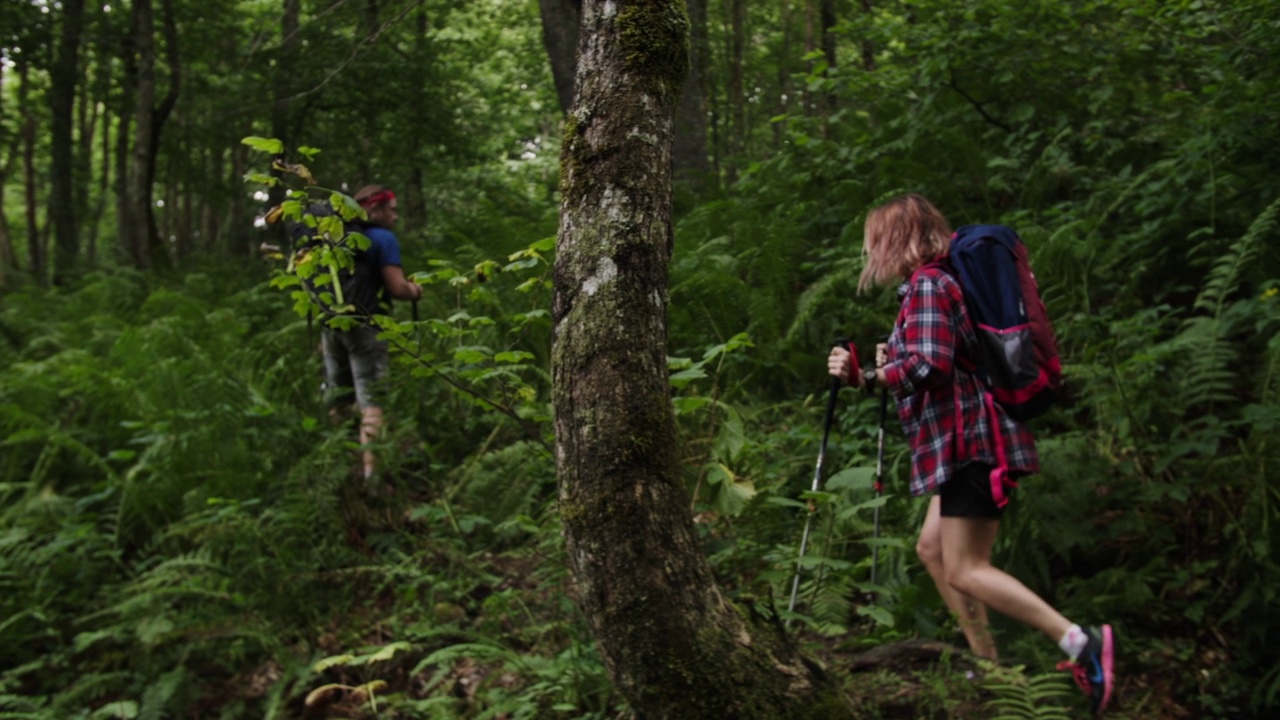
(1073, 641)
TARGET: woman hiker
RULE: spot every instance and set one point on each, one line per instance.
(953, 445)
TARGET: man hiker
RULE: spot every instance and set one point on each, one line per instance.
(356, 362)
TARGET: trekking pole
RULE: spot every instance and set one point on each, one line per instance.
(879, 484)
(817, 475)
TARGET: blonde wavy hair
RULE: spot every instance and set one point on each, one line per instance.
(900, 236)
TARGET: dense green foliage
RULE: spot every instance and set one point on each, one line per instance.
(180, 531)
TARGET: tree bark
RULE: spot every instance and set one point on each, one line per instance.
(8, 259)
(561, 20)
(737, 91)
(62, 99)
(868, 48)
(829, 49)
(141, 220)
(673, 644)
(290, 42)
(35, 247)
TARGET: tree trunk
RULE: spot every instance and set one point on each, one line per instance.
(8, 259)
(104, 183)
(87, 127)
(673, 644)
(868, 48)
(35, 248)
(140, 218)
(784, 73)
(829, 49)
(209, 227)
(690, 150)
(737, 90)
(239, 242)
(62, 100)
(414, 203)
(159, 249)
(561, 20)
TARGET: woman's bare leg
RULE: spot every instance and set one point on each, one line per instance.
(966, 559)
(970, 613)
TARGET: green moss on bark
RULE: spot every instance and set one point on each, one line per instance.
(655, 42)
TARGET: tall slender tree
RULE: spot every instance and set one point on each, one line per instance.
(560, 23)
(8, 259)
(35, 244)
(62, 99)
(673, 643)
(690, 151)
(140, 237)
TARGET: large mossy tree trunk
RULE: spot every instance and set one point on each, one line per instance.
(674, 645)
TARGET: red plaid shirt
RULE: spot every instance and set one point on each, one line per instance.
(945, 411)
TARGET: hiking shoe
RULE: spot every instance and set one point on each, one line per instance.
(1093, 668)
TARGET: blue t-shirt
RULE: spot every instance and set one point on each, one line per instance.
(384, 249)
(369, 292)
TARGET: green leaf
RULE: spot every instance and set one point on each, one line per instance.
(733, 497)
(120, 710)
(266, 145)
(333, 661)
(684, 377)
(261, 179)
(388, 652)
(877, 613)
(854, 478)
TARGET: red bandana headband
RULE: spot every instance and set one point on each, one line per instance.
(382, 197)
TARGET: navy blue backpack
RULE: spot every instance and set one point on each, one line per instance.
(1019, 354)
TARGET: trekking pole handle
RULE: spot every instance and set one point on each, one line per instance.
(415, 311)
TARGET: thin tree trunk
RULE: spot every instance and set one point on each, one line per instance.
(159, 249)
(737, 93)
(829, 50)
(125, 210)
(35, 247)
(124, 203)
(141, 220)
(64, 77)
(560, 23)
(784, 72)
(8, 259)
(87, 121)
(236, 229)
(868, 48)
(290, 42)
(673, 644)
(414, 203)
(692, 165)
(185, 222)
(810, 43)
(209, 224)
(104, 184)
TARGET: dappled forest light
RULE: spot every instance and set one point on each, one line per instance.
(186, 531)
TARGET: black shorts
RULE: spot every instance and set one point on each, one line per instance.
(968, 493)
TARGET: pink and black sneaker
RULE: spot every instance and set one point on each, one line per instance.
(1093, 668)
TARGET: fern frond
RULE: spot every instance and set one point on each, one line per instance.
(1224, 277)
(1018, 697)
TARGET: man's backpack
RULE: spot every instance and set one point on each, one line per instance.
(1018, 351)
(330, 257)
